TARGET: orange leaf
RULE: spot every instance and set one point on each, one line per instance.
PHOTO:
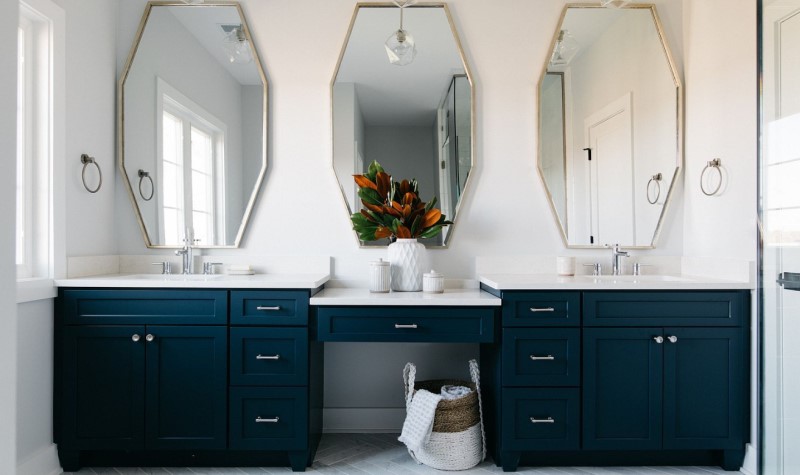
(397, 206)
(364, 182)
(406, 211)
(403, 232)
(409, 198)
(384, 182)
(431, 218)
(392, 212)
(405, 187)
(366, 215)
(382, 232)
(372, 207)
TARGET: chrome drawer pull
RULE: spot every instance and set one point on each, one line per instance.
(549, 420)
(672, 339)
(413, 326)
(268, 357)
(543, 309)
(543, 358)
(658, 339)
(277, 307)
(268, 419)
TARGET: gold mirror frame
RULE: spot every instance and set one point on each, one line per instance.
(468, 72)
(679, 157)
(121, 120)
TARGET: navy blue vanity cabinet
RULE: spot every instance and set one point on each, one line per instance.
(275, 375)
(159, 377)
(634, 378)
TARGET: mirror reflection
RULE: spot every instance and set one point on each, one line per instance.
(193, 125)
(402, 96)
(609, 126)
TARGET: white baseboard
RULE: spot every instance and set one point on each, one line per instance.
(750, 465)
(42, 462)
(363, 420)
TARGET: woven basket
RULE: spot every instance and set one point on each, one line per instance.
(458, 441)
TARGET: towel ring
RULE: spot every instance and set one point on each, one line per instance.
(86, 160)
(715, 164)
(142, 175)
(657, 180)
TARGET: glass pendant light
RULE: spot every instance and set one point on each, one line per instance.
(565, 49)
(236, 46)
(400, 46)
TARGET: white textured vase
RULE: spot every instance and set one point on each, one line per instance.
(407, 259)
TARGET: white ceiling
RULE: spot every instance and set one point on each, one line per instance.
(203, 22)
(400, 95)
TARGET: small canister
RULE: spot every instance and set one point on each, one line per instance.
(379, 276)
(433, 282)
(565, 265)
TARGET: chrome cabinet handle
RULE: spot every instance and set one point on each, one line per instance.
(150, 337)
(659, 339)
(549, 420)
(277, 307)
(672, 339)
(543, 358)
(411, 326)
(260, 419)
(268, 357)
(135, 337)
(543, 309)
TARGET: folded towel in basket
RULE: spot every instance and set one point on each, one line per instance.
(419, 419)
(454, 392)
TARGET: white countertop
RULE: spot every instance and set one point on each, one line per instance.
(608, 282)
(216, 281)
(450, 297)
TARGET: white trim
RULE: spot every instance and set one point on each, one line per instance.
(42, 462)
(30, 290)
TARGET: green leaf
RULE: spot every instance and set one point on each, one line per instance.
(415, 225)
(370, 196)
(430, 204)
(395, 224)
(373, 170)
(432, 231)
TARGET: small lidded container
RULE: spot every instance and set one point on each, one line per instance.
(379, 276)
(433, 282)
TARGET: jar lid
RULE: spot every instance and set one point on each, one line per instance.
(379, 262)
(432, 273)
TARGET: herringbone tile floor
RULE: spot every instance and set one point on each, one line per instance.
(382, 454)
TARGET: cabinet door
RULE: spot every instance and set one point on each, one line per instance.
(102, 387)
(186, 387)
(704, 388)
(622, 385)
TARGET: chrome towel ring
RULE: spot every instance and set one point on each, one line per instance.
(142, 175)
(657, 180)
(86, 160)
(713, 164)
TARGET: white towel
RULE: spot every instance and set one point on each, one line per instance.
(450, 393)
(419, 419)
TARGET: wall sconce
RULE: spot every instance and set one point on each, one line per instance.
(236, 45)
(565, 49)
(400, 47)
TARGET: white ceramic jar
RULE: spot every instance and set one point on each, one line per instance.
(433, 282)
(379, 276)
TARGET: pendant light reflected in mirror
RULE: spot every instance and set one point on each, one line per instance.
(400, 47)
(565, 49)
(236, 45)
(614, 3)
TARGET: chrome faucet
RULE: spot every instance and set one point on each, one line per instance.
(616, 254)
(186, 253)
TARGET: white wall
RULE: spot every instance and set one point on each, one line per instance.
(8, 153)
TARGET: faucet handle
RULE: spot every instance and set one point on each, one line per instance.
(637, 268)
(166, 266)
(208, 267)
(597, 269)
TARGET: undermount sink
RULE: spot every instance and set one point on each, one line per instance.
(634, 278)
(173, 277)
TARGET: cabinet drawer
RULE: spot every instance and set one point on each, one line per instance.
(269, 418)
(269, 356)
(267, 307)
(532, 309)
(540, 419)
(541, 356)
(167, 307)
(620, 309)
(405, 324)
